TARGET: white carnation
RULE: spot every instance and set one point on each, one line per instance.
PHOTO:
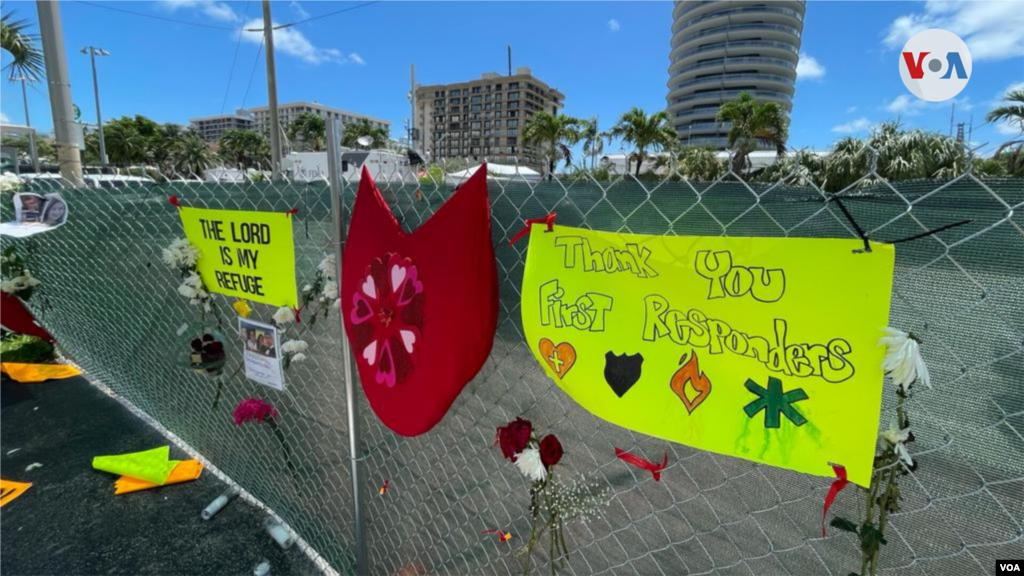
(298, 357)
(330, 290)
(530, 464)
(284, 315)
(327, 266)
(294, 346)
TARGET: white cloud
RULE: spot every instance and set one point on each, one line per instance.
(293, 42)
(859, 125)
(357, 59)
(808, 68)
(909, 105)
(991, 30)
(299, 10)
(613, 25)
(215, 10)
(851, 109)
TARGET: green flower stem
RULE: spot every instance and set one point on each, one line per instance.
(284, 445)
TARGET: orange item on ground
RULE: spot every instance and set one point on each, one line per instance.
(185, 471)
(33, 373)
(10, 490)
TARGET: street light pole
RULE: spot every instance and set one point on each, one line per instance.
(275, 138)
(28, 124)
(93, 52)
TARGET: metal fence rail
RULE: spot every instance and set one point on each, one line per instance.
(112, 303)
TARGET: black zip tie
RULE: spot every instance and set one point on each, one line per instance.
(860, 231)
(931, 232)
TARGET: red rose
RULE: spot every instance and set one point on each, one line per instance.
(514, 437)
(550, 450)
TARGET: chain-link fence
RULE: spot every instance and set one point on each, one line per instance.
(113, 305)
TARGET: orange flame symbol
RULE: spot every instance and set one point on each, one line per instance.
(690, 373)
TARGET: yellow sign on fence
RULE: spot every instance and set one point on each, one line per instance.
(762, 348)
(245, 254)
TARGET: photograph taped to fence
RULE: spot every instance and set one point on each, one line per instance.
(34, 213)
(262, 353)
(248, 255)
(762, 348)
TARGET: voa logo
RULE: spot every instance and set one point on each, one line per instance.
(935, 65)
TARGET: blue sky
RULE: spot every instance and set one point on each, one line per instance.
(605, 56)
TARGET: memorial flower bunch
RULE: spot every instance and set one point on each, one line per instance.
(260, 411)
(905, 366)
(293, 351)
(322, 293)
(17, 279)
(182, 256)
(553, 501)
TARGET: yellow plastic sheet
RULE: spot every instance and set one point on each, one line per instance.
(247, 255)
(151, 465)
(9, 490)
(761, 348)
(184, 471)
(34, 373)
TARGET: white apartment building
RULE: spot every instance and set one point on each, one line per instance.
(289, 111)
(211, 128)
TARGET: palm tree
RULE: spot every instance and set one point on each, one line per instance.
(310, 129)
(557, 133)
(645, 132)
(353, 131)
(593, 140)
(699, 164)
(754, 124)
(1011, 153)
(244, 148)
(27, 56)
(190, 155)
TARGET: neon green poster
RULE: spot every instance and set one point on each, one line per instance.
(761, 348)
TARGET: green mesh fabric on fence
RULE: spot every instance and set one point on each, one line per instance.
(113, 305)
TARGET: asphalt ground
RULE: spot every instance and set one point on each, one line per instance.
(71, 523)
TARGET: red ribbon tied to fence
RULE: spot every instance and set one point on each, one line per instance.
(549, 220)
(174, 201)
(502, 535)
(837, 485)
(643, 463)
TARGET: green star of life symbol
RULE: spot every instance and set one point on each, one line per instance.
(775, 403)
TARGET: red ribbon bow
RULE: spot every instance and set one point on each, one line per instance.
(502, 535)
(643, 463)
(292, 211)
(549, 220)
(837, 485)
(174, 201)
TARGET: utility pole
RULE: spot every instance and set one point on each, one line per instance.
(93, 52)
(275, 137)
(51, 32)
(412, 105)
(28, 123)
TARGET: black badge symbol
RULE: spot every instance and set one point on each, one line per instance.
(622, 371)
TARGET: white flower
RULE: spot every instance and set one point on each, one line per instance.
(181, 254)
(897, 438)
(11, 286)
(307, 288)
(903, 360)
(530, 465)
(30, 280)
(9, 182)
(327, 266)
(284, 315)
(330, 290)
(298, 357)
(293, 346)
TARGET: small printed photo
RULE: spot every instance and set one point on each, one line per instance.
(29, 207)
(55, 210)
(258, 338)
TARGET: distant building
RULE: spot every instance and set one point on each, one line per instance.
(212, 127)
(483, 119)
(722, 48)
(287, 113)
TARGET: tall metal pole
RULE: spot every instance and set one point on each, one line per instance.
(275, 136)
(412, 106)
(28, 124)
(51, 32)
(99, 116)
(337, 207)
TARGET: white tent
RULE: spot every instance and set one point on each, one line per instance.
(497, 172)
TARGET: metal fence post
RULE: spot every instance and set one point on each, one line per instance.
(337, 206)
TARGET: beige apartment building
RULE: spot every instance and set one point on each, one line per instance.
(483, 119)
(287, 113)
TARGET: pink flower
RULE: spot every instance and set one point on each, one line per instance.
(387, 316)
(253, 409)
